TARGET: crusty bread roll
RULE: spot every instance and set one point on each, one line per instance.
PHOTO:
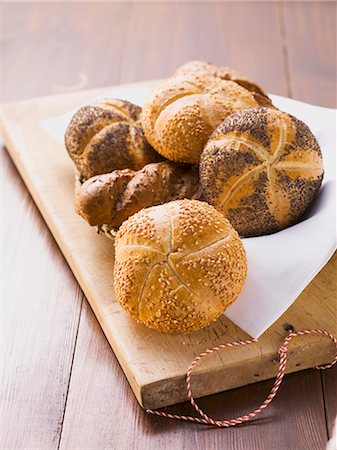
(107, 135)
(111, 198)
(178, 266)
(225, 73)
(179, 116)
(261, 168)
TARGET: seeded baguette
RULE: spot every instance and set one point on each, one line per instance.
(178, 266)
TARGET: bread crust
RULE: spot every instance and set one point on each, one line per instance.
(179, 116)
(261, 168)
(225, 73)
(107, 135)
(178, 266)
(111, 198)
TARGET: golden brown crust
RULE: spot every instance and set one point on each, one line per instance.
(107, 135)
(178, 266)
(261, 168)
(179, 116)
(111, 198)
(97, 197)
(225, 73)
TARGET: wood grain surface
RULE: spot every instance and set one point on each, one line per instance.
(155, 364)
(48, 48)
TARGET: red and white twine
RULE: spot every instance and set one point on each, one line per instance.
(280, 374)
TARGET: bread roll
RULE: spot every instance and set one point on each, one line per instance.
(178, 266)
(261, 168)
(180, 115)
(106, 136)
(111, 198)
(225, 73)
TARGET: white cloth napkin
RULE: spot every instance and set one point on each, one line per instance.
(280, 265)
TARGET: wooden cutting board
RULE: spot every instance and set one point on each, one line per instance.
(154, 363)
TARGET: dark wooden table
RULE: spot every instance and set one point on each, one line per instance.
(63, 387)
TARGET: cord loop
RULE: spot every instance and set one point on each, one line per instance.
(282, 351)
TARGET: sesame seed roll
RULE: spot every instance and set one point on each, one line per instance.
(178, 266)
(225, 73)
(179, 115)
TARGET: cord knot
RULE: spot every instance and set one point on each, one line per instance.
(282, 350)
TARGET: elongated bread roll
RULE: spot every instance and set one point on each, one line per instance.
(111, 198)
(107, 135)
(261, 168)
(178, 266)
(180, 115)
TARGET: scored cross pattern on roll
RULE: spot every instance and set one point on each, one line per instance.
(261, 168)
(107, 135)
(178, 266)
(180, 115)
(225, 73)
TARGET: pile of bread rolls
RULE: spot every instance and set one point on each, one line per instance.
(207, 159)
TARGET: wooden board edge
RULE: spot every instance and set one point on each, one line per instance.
(172, 391)
(144, 394)
(8, 107)
(134, 383)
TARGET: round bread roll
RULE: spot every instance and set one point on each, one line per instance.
(261, 168)
(106, 136)
(180, 115)
(178, 266)
(225, 73)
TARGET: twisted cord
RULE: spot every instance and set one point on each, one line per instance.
(205, 419)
